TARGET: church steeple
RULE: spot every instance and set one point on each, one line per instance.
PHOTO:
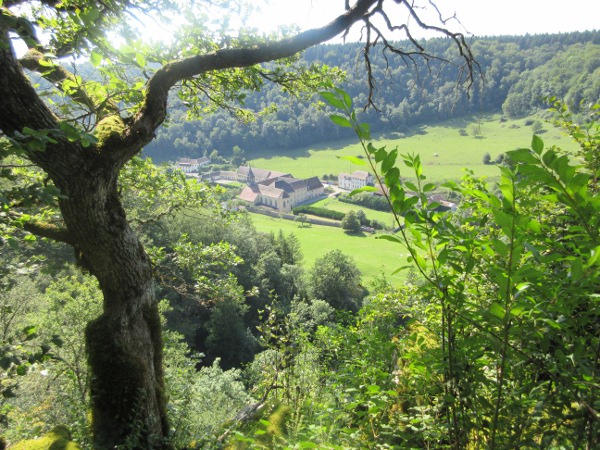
(251, 178)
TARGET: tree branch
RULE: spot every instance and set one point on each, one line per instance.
(35, 61)
(50, 231)
(153, 112)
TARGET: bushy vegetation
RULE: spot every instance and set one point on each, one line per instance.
(368, 200)
(317, 211)
(216, 279)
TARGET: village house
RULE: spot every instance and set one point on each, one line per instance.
(356, 180)
(189, 165)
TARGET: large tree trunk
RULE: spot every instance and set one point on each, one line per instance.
(124, 345)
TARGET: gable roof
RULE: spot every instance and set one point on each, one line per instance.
(360, 174)
(249, 193)
(290, 184)
(259, 173)
(190, 161)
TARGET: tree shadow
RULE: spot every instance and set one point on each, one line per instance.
(361, 234)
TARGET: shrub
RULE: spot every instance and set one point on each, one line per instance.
(317, 211)
(351, 222)
(367, 200)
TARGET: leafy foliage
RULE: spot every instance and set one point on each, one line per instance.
(351, 222)
(512, 283)
(336, 279)
(366, 199)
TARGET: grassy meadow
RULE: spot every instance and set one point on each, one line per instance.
(454, 152)
(372, 256)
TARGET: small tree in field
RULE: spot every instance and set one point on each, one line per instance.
(350, 222)
(537, 126)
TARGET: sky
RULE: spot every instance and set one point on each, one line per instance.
(478, 17)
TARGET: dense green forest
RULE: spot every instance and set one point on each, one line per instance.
(517, 73)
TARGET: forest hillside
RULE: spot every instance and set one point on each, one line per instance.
(517, 73)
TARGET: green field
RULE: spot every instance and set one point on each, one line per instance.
(372, 256)
(454, 152)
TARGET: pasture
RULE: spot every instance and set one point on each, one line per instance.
(444, 152)
(372, 256)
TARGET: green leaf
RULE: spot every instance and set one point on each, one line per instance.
(371, 148)
(576, 270)
(364, 131)
(517, 310)
(354, 160)
(400, 269)
(497, 310)
(332, 100)
(522, 155)
(390, 237)
(504, 220)
(389, 161)
(346, 99)
(380, 155)
(537, 144)
(413, 187)
(363, 189)
(340, 121)
(306, 444)
(392, 177)
(508, 192)
(421, 261)
(30, 330)
(373, 389)
(96, 59)
(594, 257)
(549, 157)
(140, 60)
(429, 187)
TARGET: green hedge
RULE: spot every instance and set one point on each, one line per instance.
(367, 200)
(316, 211)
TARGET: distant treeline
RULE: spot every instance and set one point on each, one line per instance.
(517, 73)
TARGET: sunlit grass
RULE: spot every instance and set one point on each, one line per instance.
(372, 256)
(444, 152)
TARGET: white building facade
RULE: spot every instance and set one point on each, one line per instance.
(355, 180)
(189, 165)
